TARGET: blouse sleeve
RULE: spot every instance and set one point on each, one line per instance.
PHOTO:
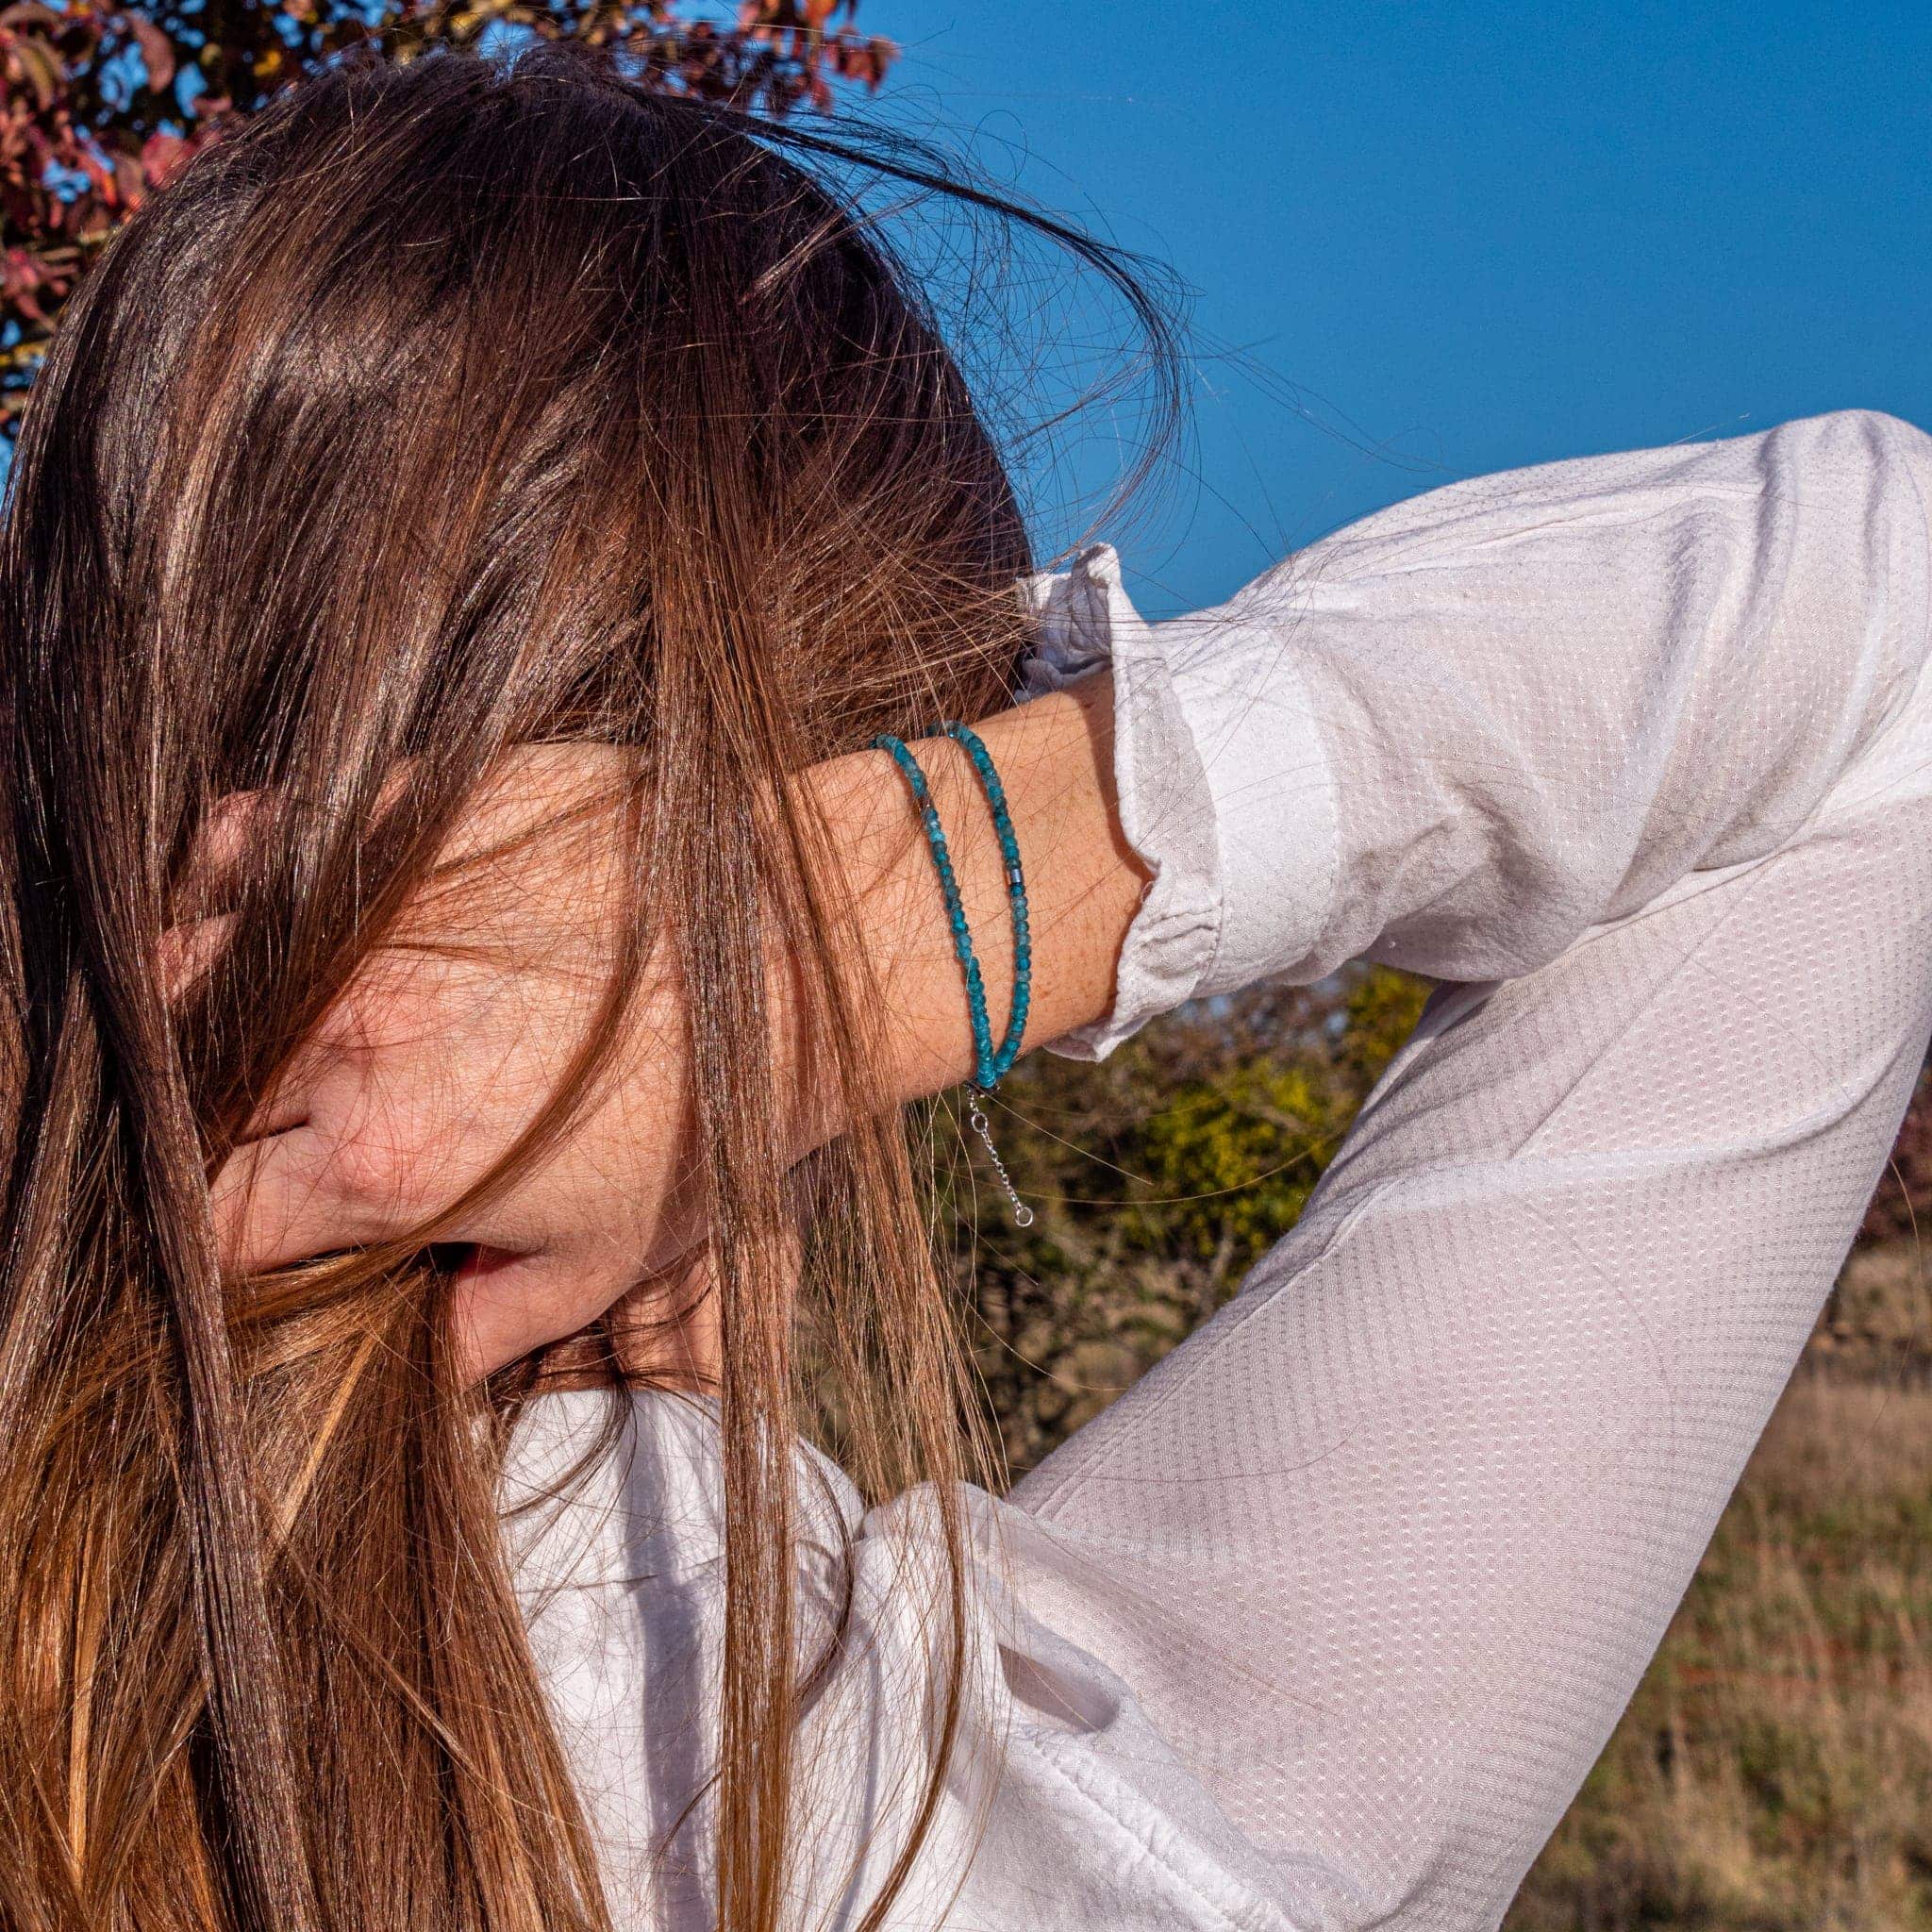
(1635, 751)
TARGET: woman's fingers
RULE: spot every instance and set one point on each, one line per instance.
(514, 1303)
(189, 949)
(352, 1172)
(212, 875)
(293, 1195)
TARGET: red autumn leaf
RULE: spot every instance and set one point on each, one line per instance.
(160, 155)
(38, 65)
(157, 50)
(31, 13)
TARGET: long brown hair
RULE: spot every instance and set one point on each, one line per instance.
(450, 407)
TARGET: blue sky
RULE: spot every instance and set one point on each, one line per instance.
(1451, 237)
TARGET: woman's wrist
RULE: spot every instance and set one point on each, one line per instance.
(1055, 759)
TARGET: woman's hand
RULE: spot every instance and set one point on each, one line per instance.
(445, 1048)
(455, 1033)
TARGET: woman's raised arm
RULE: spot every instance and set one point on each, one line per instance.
(1638, 751)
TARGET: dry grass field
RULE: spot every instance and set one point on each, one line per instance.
(1774, 1771)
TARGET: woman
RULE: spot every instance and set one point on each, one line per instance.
(466, 954)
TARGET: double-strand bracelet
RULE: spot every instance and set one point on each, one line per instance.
(990, 1063)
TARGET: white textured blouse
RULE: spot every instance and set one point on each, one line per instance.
(1321, 1623)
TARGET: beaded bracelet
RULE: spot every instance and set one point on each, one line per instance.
(989, 1065)
(965, 735)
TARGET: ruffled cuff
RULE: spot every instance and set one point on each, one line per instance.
(1166, 808)
(1226, 790)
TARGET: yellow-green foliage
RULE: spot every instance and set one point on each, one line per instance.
(1158, 1176)
(1379, 1012)
(1232, 1159)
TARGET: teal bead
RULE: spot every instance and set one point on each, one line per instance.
(969, 740)
(983, 1056)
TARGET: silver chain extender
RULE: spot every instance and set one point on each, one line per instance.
(1022, 1215)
